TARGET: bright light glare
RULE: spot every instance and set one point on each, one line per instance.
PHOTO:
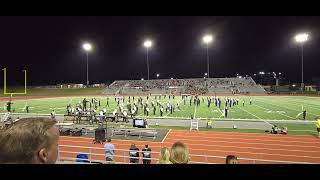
(300, 38)
(87, 46)
(147, 43)
(142, 79)
(205, 74)
(158, 75)
(207, 38)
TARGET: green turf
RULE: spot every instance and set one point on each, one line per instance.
(263, 107)
(293, 128)
(56, 91)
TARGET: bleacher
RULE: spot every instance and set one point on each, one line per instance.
(186, 86)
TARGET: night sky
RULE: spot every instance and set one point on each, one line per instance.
(50, 48)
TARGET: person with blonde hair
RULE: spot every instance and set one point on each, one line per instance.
(164, 156)
(179, 153)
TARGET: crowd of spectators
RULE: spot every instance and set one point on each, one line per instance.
(190, 85)
(195, 90)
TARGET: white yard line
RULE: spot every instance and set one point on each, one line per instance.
(195, 111)
(70, 101)
(49, 109)
(166, 136)
(287, 108)
(272, 110)
(219, 111)
(249, 112)
(57, 108)
(304, 104)
(299, 101)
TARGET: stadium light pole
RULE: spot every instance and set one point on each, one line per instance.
(207, 39)
(87, 47)
(301, 38)
(147, 44)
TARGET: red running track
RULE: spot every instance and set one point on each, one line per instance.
(293, 148)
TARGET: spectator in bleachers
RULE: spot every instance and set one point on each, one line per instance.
(134, 154)
(29, 141)
(193, 86)
(164, 156)
(179, 153)
(231, 159)
(109, 150)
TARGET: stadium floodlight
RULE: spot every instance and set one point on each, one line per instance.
(262, 73)
(293, 85)
(301, 38)
(206, 74)
(147, 44)
(87, 47)
(171, 78)
(142, 79)
(207, 39)
(158, 75)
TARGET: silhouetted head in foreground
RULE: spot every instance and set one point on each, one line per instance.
(29, 141)
(231, 159)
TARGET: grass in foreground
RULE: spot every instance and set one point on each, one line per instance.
(293, 129)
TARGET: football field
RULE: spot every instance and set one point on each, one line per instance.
(262, 107)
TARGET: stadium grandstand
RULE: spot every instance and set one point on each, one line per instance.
(201, 86)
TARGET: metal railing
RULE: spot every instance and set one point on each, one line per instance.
(126, 158)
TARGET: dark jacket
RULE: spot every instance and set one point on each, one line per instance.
(146, 153)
